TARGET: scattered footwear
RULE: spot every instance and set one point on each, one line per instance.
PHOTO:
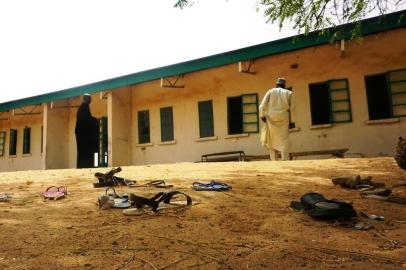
(212, 186)
(161, 201)
(54, 193)
(317, 206)
(356, 182)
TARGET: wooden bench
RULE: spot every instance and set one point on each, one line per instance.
(224, 156)
(335, 152)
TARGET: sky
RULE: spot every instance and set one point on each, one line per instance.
(51, 45)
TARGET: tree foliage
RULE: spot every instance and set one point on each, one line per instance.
(310, 15)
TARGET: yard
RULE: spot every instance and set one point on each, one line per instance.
(249, 227)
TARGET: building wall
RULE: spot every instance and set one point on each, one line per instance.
(33, 160)
(316, 64)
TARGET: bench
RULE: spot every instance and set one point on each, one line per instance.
(224, 156)
(335, 152)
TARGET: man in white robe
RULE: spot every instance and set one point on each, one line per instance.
(274, 111)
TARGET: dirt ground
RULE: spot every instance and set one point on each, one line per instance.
(249, 227)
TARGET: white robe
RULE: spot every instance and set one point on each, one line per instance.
(275, 107)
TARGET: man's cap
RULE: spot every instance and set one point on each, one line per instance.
(86, 94)
(281, 81)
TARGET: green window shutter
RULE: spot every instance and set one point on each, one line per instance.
(13, 142)
(250, 118)
(340, 103)
(167, 124)
(397, 92)
(26, 140)
(206, 123)
(2, 141)
(143, 127)
(103, 144)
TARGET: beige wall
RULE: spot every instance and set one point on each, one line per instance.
(316, 64)
(33, 160)
(56, 132)
(119, 127)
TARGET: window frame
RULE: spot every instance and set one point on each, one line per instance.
(391, 94)
(141, 136)
(26, 141)
(331, 101)
(243, 112)
(3, 143)
(347, 89)
(164, 132)
(12, 150)
(205, 132)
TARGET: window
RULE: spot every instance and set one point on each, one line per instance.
(243, 114)
(291, 124)
(2, 141)
(167, 124)
(206, 123)
(386, 94)
(330, 102)
(143, 127)
(26, 140)
(13, 142)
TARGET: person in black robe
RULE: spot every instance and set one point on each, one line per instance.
(86, 132)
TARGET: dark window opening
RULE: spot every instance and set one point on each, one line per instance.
(26, 140)
(319, 103)
(378, 97)
(13, 142)
(143, 127)
(167, 124)
(234, 110)
(206, 123)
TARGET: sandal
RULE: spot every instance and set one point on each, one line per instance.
(212, 186)
(317, 206)
(54, 192)
(162, 200)
(113, 200)
(109, 180)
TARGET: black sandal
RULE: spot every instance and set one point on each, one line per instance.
(317, 206)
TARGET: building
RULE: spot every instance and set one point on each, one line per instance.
(348, 94)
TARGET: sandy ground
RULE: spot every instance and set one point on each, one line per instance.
(250, 227)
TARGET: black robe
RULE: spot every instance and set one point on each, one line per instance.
(86, 132)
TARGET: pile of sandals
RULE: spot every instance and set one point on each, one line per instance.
(137, 205)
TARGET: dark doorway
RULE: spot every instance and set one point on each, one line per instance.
(234, 110)
(378, 97)
(320, 103)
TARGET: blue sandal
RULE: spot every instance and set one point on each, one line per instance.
(212, 186)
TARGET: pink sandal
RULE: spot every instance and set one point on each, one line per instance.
(55, 193)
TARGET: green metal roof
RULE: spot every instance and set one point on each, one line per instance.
(369, 26)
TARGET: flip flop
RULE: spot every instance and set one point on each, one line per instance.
(317, 206)
(212, 186)
(54, 192)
